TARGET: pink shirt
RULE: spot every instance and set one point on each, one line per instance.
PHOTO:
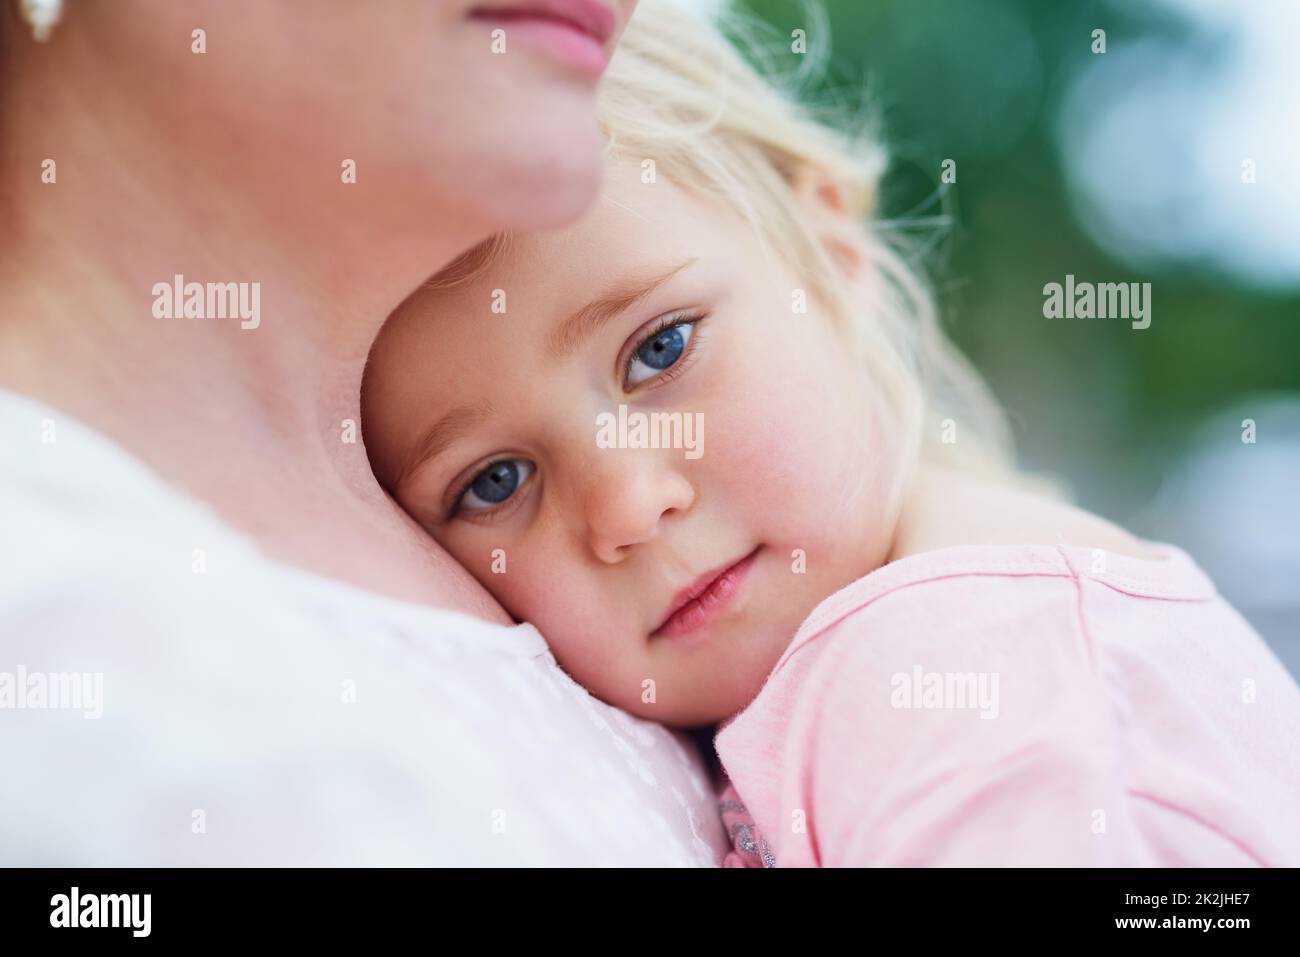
(1020, 705)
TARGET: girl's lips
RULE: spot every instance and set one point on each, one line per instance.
(706, 600)
(575, 31)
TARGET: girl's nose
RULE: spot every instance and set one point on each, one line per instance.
(629, 498)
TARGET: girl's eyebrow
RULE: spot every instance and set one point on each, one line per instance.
(438, 437)
(569, 335)
(561, 343)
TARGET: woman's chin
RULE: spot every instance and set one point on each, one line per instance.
(552, 182)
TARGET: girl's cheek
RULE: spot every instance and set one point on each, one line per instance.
(777, 426)
(794, 462)
(538, 587)
(764, 467)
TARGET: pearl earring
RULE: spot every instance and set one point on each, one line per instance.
(41, 15)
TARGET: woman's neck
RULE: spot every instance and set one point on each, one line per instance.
(257, 416)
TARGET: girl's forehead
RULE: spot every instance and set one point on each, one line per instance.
(634, 226)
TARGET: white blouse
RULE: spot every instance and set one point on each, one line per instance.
(169, 695)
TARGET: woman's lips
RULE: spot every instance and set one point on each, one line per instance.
(575, 31)
(706, 599)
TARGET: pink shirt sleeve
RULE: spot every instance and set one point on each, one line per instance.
(941, 739)
(1010, 707)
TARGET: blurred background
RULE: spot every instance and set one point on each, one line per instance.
(1172, 158)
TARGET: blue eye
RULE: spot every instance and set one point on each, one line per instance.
(661, 349)
(494, 484)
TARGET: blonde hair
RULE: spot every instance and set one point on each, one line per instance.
(678, 92)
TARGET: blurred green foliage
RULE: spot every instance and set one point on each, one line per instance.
(981, 81)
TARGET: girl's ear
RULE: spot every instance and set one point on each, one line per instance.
(822, 202)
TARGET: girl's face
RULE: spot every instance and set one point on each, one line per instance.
(490, 408)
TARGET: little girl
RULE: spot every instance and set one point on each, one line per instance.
(911, 658)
